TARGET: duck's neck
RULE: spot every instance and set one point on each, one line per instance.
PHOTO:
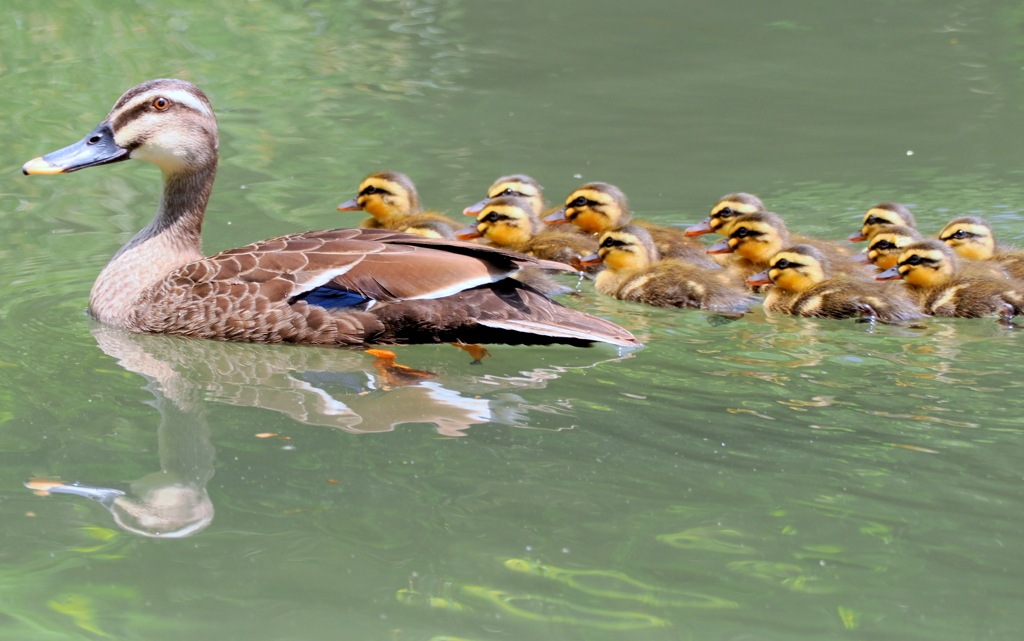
(170, 240)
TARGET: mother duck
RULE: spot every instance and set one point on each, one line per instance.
(334, 287)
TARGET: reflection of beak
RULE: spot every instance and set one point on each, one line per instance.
(862, 257)
(760, 278)
(701, 228)
(469, 232)
(98, 148)
(475, 209)
(556, 217)
(893, 273)
(721, 247)
(587, 261)
(350, 205)
(856, 237)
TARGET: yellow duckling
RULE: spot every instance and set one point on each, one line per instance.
(393, 203)
(636, 272)
(887, 242)
(726, 209)
(599, 207)
(944, 286)
(971, 237)
(882, 214)
(805, 285)
(517, 186)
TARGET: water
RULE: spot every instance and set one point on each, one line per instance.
(770, 478)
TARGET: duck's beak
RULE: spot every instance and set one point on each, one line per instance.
(701, 228)
(760, 278)
(476, 208)
(556, 217)
(893, 273)
(98, 148)
(856, 237)
(721, 247)
(468, 232)
(350, 205)
(587, 261)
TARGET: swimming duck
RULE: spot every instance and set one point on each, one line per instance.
(882, 214)
(887, 241)
(517, 186)
(333, 287)
(945, 286)
(636, 272)
(599, 207)
(393, 203)
(805, 285)
(726, 209)
(971, 237)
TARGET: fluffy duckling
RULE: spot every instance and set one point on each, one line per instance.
(599, 207)
(882, 214)
(725, 210)
(971, 237)
(944, 286)
(393, 203)
(887, 243)
(517, 186)
(636, 272)
(805, 285)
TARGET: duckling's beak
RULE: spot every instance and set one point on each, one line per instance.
(701, 228)
(475, 209)
(862, 257)
(350, 205)
(98, 148)
(556, 217)
(721, 247)
(760, 278)
(893, 273)
(587, 261)
(856, 237)
(468, 232)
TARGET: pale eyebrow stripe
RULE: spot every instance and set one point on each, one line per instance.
(175, 95)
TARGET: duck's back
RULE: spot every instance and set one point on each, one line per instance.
(677, 283)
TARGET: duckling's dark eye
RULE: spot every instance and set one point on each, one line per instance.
(742, 232)
(161, 104)
(510, 192)
(612, 242)
(959, 234)
(579, 202)
(874, 220)
(913, 260)
(884, 244)
(491, 217)
(725, 212)
(782, 264)
(371, 190)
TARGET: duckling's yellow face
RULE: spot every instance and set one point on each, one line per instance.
(518, 189)
(594, 211)
(623, 252)
(970, 240)
(885, 248)
(726, 211)
(756, 241)
(386, 200)
(924, 267)
(795, 272)
(877, 217)
(504, 225)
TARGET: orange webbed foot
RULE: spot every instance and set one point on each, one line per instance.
(394, 374)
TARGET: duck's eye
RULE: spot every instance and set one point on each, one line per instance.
(913, 260)
(579, 202)
(510, 192)
(491, 217)
(782, 264)
(742, 232)
(612, 242)
(161, 104)
(884, 244)
(875, 220)
(725, 212)
(959, 234)
(370, 190)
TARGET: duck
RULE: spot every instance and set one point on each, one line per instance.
(599, 207)
(727, 208)
(517, 186)
(806, 285)
(887, 241)
(635, 271)
(971, 237)
(946, 286)
(882, 214)
(339, 287)
(393, 203)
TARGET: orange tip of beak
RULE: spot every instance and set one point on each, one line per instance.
(468, 233)
(350, 205)
(856, 237)
(721, 247)
(760, 278)
(701, 228)
(38, 166)
(587, 261)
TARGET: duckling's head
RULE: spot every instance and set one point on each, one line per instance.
(385, 195)
(887, 244)
(627, 248)
(970, 236)
(725, 210)
(505, 221)
(517, 186)
(882, 214)
(756, 237)
(927, 263)
(797, 268)
(167, 122)
(594, 208)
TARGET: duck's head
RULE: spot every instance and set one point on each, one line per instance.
(594, 208)
(724, 212)
(505, 221)
(928, 263)
(795, 269)
(385, 195)
(626, 248)
(167, 122)
(756, 237)
(882, 214)
(517, 186)
(970, 237)
(888, 242)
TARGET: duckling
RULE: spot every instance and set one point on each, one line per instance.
(516, 185)
(945, 286)
(882, 214)
(971, 237)
(599, 207)
(393, 203)
(636, 272)
(887, 242)
(805, 285)
(726, 209)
